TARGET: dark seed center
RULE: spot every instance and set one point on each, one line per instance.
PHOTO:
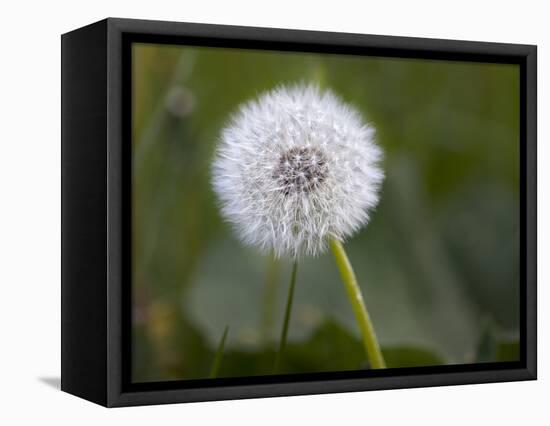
(301, 170)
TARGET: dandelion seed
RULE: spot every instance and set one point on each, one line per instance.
(295, 168)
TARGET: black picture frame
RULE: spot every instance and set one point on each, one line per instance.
(96, 211)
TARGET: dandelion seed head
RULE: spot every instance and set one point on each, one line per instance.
(295, 167)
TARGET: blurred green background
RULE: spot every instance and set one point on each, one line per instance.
(438, 264)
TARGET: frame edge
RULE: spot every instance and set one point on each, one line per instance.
(83, 218)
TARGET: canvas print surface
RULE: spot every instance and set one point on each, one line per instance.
(303, 212)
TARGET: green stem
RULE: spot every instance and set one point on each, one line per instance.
(270, 297)
(353, 290)
(219, 355)
(288, 309)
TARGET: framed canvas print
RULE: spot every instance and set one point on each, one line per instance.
(251, 212)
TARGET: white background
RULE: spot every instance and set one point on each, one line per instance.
(30, 212)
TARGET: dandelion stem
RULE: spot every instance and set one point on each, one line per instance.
(353, 290)
(288, 309)
(219, 355)
(270, 297)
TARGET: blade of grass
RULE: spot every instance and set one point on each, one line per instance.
(219, 355)
(270, 297)
(286, 321)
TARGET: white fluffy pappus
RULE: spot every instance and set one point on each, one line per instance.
(295, 167)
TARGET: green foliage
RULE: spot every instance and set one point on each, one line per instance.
(494, 348)
(330, 348)
(410, 356)
(219, 355)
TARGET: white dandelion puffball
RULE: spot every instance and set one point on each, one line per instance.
(296, 167)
